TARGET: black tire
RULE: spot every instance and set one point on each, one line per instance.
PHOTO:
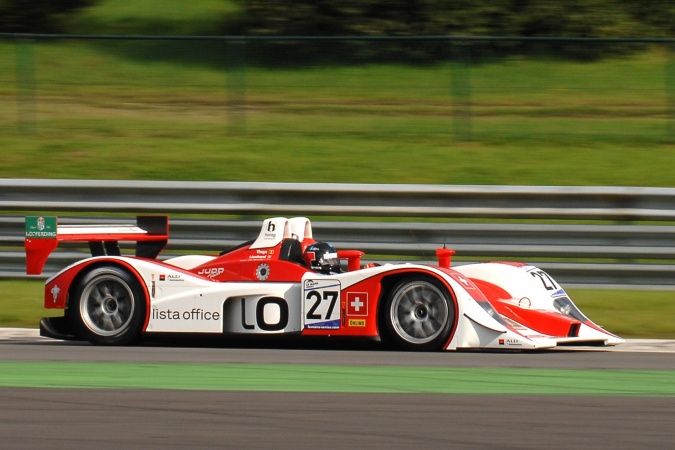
(419, 314)
(108, 307)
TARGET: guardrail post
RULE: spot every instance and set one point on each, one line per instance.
(25, 93)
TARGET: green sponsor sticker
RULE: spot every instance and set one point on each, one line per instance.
(40, 227)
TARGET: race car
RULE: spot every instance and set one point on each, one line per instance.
(285, 282)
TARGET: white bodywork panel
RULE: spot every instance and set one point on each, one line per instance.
(184, 302)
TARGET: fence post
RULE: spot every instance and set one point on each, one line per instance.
(236, 85)
(670, 92)
(25, 80)
(461, 91)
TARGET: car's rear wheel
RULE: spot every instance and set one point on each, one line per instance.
(108, 307)
(419, 314)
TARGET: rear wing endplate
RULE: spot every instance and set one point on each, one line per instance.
(43, 234)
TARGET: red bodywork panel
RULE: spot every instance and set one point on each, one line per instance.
(546, 322)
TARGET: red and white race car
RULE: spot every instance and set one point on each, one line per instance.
(286, 282)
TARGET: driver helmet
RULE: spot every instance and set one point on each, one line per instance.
(323, 257)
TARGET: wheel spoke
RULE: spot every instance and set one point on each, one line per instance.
(118, 292)
(407, 301)
(96, 296)
(429, 328)
(105, 287)
(116, 321)
(406, 319)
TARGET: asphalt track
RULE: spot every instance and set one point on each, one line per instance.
(34, 414)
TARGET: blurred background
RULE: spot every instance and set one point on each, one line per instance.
(507, 92)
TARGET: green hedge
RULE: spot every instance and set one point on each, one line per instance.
(38, 16)
(579, 18)
(512, 18)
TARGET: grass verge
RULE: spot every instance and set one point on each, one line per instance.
(178, 111)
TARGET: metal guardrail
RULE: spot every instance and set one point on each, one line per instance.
(627, 251)
(328, 199)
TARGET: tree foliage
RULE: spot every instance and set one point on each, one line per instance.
(37, 16)
(512, 18)
(579, 18)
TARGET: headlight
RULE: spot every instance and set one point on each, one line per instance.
(565, 306)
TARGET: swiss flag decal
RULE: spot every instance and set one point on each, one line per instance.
(357, 303)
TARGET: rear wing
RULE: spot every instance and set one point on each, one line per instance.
(43, 234)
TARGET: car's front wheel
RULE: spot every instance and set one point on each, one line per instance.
(108, 307)
(419, 314)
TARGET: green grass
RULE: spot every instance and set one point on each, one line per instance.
(163, 110)
(630, 314)
(21, 304)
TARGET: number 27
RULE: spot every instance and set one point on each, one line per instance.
(317, 298)
(548, 282)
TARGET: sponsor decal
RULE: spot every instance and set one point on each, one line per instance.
(510, 342)
(462, 280)
(330, 325)
(261, 254)
(197, 314)
(322, 304)
(40, 227)
(311, 284)
(271, 314)
(262, 272)
(55, 292)
(211, 272)
(357, 303)
(170, 277)
(357, 322)
(271, 231)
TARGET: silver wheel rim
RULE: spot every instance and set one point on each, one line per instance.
(107, 305)
(419, 312)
